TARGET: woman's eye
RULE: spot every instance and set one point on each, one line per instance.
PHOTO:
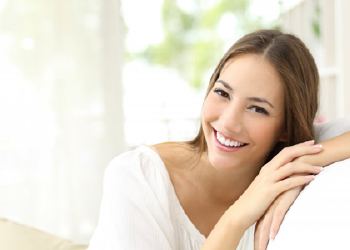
(258, 109)
(221, 92)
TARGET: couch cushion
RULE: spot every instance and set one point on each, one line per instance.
(14, 236)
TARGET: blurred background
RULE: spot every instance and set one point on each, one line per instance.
(82, 81)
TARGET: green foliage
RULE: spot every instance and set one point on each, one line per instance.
(316, 19)
(191, 41)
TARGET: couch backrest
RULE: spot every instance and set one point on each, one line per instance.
(14, 236)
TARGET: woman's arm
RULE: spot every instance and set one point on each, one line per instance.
(131, 215)
(226, 233)
(335, 149)
(275, 177)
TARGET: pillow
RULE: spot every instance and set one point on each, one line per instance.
(14, 236)
(320, 217)
(331, 129)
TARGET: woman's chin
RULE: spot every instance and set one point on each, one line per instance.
(220, 162)
(223, 163)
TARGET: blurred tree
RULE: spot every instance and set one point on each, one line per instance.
(316, 21)
(191, 43)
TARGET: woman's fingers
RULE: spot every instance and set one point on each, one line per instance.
(288, 154)
(262, 230)
(274, 179)
(296, 168)
(284, 202)
(311, 142)
(268, 226)
(292, 182)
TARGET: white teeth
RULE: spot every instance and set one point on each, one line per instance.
(228, 142)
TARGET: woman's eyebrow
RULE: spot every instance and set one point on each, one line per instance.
(254, 99)
(226, 85)
(262, 100)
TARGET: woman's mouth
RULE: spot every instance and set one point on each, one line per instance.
(227, 142)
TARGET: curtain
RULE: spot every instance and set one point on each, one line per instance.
(61, 110)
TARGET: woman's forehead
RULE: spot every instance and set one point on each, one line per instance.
(251, 75)
(252, 68)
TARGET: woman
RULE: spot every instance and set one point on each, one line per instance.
(209, 193)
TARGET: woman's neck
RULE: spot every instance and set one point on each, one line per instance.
(224, 185)
(185, 165)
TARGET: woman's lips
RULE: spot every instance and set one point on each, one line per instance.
(224, 147)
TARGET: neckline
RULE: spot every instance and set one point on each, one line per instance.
(186, 222)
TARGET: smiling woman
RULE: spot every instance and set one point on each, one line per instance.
(245, 107)
(210, 192)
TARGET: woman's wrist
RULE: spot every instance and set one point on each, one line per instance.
(226, 234)
(334, 149)
(236, 219)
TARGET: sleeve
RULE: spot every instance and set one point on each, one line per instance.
(127, 214)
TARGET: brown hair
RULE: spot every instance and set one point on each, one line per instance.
(298, 72)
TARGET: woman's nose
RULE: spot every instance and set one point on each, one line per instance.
(232, 118)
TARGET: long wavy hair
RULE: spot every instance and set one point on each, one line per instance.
(298, 72)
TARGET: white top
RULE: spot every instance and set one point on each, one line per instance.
(140, 209)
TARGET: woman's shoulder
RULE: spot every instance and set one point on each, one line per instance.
(135, 161)
(175, 155)
(135, 176)
(145, 167)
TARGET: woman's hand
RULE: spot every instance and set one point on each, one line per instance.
(276, 177)
(268, 225)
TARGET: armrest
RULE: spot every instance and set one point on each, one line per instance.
(14, 236)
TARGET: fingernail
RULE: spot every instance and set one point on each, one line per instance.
(319, 168)
(272, 236)
(310, 177)
(318, 146)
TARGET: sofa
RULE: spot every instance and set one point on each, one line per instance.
(14, 236)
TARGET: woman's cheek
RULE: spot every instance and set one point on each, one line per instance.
(267, 133)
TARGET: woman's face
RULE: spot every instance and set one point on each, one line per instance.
(243, 114)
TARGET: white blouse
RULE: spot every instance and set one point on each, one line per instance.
(140, 209)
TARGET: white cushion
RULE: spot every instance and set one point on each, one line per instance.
(14, 236)
(320, 217)
(331, 129)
